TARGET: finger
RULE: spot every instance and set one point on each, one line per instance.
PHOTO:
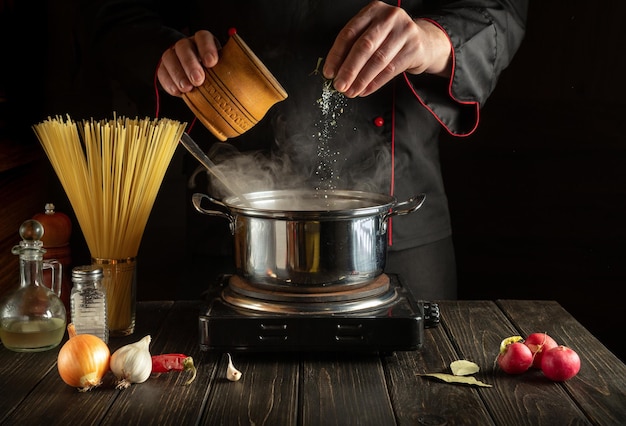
(166, 81)
(372, 27)
(381, 67)
(386, 50)
(379, 80)
(187, 54)
(171, 74)
(364, 60)
(344, 43)
(172, 65)
(338, 52)
(393, 57)
(208, 47)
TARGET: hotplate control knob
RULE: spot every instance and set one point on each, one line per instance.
(431, 314)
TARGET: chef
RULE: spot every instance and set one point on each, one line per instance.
(396, 73)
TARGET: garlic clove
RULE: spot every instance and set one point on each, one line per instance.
(232, 373)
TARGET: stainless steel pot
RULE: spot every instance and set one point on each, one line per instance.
(309, 241)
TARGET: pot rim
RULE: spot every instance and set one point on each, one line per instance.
(333, 204)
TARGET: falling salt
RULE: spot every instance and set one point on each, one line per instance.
(331, 104)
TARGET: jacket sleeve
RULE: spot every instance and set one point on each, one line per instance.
(128, 38)
(485, 36)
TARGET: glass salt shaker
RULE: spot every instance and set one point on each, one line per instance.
(88, 302)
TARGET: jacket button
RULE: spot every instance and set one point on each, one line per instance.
(379, 122)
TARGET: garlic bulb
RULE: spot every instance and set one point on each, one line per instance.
(132, 363)
(232, 373)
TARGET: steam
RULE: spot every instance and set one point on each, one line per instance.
(329, 153)
(252, 171)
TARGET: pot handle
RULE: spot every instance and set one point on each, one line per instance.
(408, 206)
(196, 200)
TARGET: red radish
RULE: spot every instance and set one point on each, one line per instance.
(560, 363)
(539, 343)
(514, 357)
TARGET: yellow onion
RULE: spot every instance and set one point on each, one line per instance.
(83, 360)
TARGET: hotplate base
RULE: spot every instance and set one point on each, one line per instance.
(398, 326)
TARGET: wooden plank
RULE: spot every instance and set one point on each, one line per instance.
(333, 388)
(20, 373)
(51, 401)
(422, 400)
(165, 396)
(266, 394)
(477, 328)
(345, 388)
(600, 386)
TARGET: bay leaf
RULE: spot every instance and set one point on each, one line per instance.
(451, 378)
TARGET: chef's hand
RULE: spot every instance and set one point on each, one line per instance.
(181, 65)
(380, 42)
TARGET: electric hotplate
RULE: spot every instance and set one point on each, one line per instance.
(235, 319)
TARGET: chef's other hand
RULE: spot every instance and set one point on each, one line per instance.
(181, 65)
(380, 42)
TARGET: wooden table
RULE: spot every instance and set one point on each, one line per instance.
(333, 388)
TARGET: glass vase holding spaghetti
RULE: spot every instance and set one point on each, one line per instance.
(111, 171)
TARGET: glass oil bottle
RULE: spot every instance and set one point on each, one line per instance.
(33, 318)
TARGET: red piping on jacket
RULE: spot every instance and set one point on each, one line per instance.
(156, 89)
(393, 156)
(393, 161)
(476, 105)
(421, 101)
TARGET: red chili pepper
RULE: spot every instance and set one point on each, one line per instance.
(165, 363)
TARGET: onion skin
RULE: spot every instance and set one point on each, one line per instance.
(83, 361)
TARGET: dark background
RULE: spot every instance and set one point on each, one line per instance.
(537, 194)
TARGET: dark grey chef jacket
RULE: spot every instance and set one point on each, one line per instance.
(289, 36)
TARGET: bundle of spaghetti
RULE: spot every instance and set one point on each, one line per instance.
(111, 171)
